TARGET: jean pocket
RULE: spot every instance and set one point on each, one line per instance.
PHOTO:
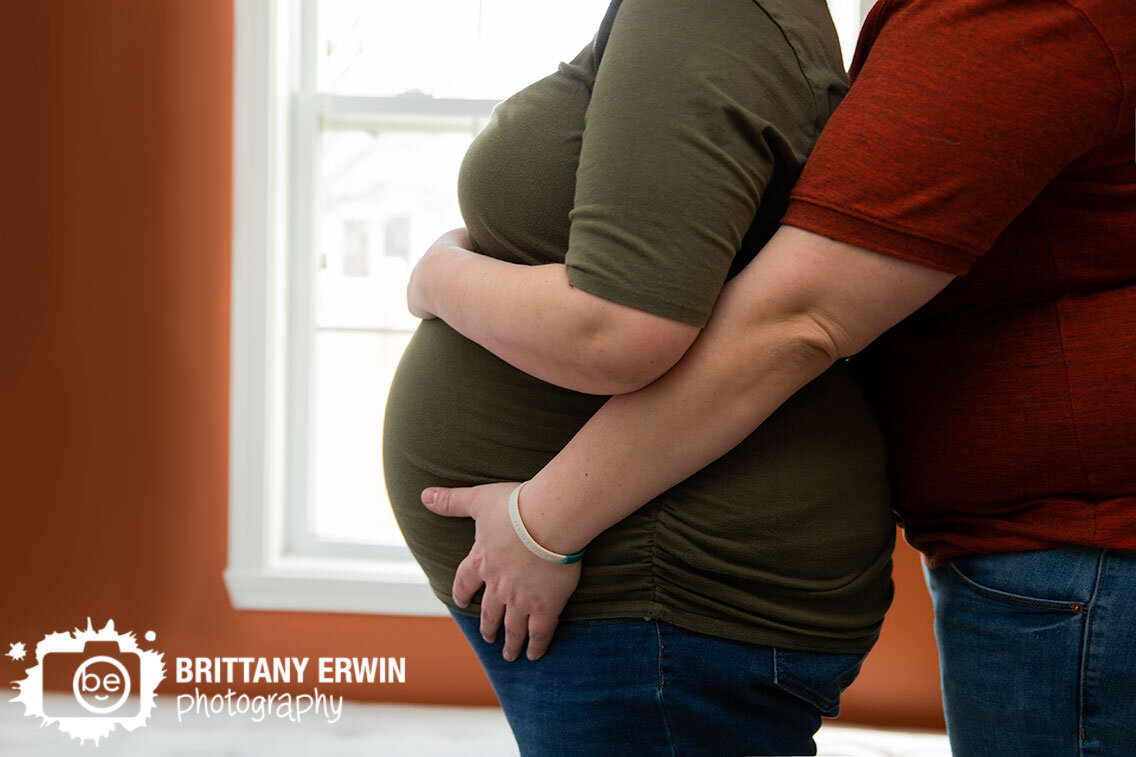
(819, 678)
(1053, 580)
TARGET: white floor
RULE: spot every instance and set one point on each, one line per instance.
(366, 729)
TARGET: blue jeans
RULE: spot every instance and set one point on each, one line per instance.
(1038, 652)
(629, 686)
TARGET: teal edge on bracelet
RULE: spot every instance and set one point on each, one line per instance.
(569, 559)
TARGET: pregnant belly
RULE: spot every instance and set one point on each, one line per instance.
(457, 415)
(798, 510)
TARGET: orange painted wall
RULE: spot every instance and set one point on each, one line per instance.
(114, 318)
(899, 683)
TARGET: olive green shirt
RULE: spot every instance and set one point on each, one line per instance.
(654, 165)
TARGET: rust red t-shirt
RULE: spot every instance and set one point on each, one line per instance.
(994, 139)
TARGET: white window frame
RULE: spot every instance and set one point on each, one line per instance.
(275, 562)
(310, 113)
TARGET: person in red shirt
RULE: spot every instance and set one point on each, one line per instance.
(980, 175)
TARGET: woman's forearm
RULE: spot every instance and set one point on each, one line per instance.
(533, 319)
(804, 302)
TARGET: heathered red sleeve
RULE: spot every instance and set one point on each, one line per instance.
(960, 113)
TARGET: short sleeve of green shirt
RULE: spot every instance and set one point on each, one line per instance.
(680, 142)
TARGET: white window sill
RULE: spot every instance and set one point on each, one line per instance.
(388, 588)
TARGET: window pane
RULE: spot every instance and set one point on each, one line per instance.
(353, 374)
(480, 49)
(384, 196)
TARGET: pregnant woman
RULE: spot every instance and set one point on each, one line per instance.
(606, 205)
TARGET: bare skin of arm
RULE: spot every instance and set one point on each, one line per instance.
(530, 317)
(803, 303)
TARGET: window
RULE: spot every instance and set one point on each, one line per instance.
(351, 119)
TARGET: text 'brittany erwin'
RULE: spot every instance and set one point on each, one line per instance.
(290, 669)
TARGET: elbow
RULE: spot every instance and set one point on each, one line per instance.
(807, 345)
(818, 339)
(781, 353)
(628, 349)
(620, 375)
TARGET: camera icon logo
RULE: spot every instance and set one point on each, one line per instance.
(102, 679)
(109, 682)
